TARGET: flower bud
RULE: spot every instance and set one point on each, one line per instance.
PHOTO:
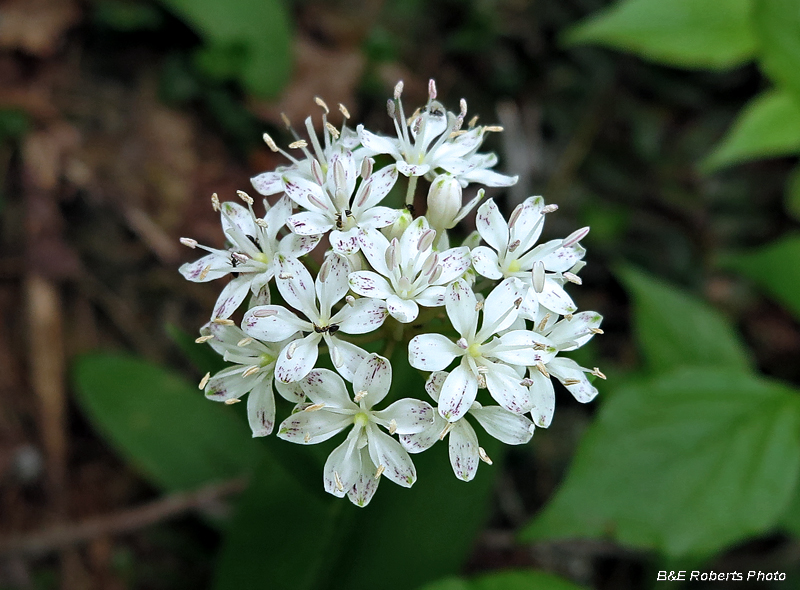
(444, 202)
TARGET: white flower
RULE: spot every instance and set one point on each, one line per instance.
(334, 141)
(351, 467)
(252, 373)
(495, 363)
(512, 254)
(255, 244)
(416, 274)
(315, 300)
(432, 139)
(570, 333)
(331, 205)
(465, 453)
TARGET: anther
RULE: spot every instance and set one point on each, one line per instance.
(398, 90)
(313, 408)
(517, 302)
(432, 89)
(316, 170)
(366, 167)
(321, 103)
(538, 276)
(390, 108)
(527, 382)
(251, 371)
(472, 122)
(239, 257)
(568, 382)
(493, 128)
(575, 237)
(307, 438)
(291, 349)
(351, 301)
(596, 331)
(513, 245)
(261, 223)
(462, 343)
(393, 426)
(481, 381)
(543, 323)
(379, 472)
(245, 197)
(204, 381)
(426, 240)
(215, 202)
(233, 400)
(552, 208)
(271, 142)
(324, 271)
(539, 346)
(202, 339)
(572, 278)
(299, 144)
(244, 341)
(285, 276)
(223, 321)
(332, 130)
(359, 395)
(542, 369)
(597, 373)
(568, 317)
(265, 313)
(339, 485)
(484, 457)
(482, 370)
(189, 242)
(344, 111)
(463, 105)
(204, 272)
(479, 305)
(445, 430)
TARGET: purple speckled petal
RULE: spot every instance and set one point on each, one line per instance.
(463, 447)
(387, 452)
(458, 393)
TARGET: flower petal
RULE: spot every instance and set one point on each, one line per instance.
(373, 375)
(335, 285)
(379, 185)
(277, 215)
(486, 263)
(458, 393)
(291, 392)
(378, 217)
(424, 440)
(433, 385)
(373, 246)
(232, 296)
(523, 347)
(491, 225)
(499, 309)
(377, 143)
(297, 358)
(544, 399)
(309, 223)
(454, 263)
(410, 415)
(268, 183)
(505, 426)
(370, 284)
(576, 331)
(404, 311)
(432, 296)
(387, 452)
(322, 386)
(261, 408)
(364, 316)
(346, 356)
(555, 298)
(297, 287)
(568, 372)
(272, 328)
(367, 484)
(463, 450)
(229, 384)
(343, 467)
(461, 306)
(295, 245)
(310, 428)
(309, 195)
(209, 267)
(431, 352)
(506, 387)
(237, 218)
(407, 169)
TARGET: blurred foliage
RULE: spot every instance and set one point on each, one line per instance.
(510, 580)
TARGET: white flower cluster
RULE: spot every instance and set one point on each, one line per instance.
(390, 280)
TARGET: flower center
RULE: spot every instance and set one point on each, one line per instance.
(361, 419)
(265, 360)
(474, 350)
(262, 258)
(513, 266)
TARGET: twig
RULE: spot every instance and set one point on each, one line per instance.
(127, 521)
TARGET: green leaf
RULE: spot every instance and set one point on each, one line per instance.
(162, 424)
(505, 580)
(769, 126)
(776, 25)
(675, 329)
(687, 465)
(281, 535)
(687, 33)
(774, 268)
(257, 28)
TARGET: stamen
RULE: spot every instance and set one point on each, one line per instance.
(542, 369)
(426, 240)
(538, 276)
(543, 323)
(366, 167)
(204, 272)
(527, 382)
(549, 209)
(445, 430)
(261, 222)
(568, 317)
(307, 438)
(359, 395)
(313, 408)
(463, 105)
(344, 111)
(351, 301)
(379, 472)
(484, 457)
(321, 103)
(337, 481)
(482, 370)
(189, 242)
(392, 426)
(244, 341)
(223, 321)
(540, 346)
(479, 305)
(286, 121)
(300, 143)
(596, 331)
(245, 197)
(324, 270)
(572, 278)
(233, 400)
(251, 371)
(265, 313)
(432, 89)
(390, 108)
(332, 130)
(462, 343)
(575, 237)
(398, 90)
(290, 350)
(316, 171)
(204, 381)
(472, 122)
(215, 202)
(517, 302)
(513, 245)
(568, 382)
(203, 339)
(240, 258)
(437, 272)
(597, 373)
(285, 276)
(271, 142)
(493, 128)
(481, 381)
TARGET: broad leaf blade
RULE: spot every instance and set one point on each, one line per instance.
(675, 329)
(161, 424)
(687, 33)
(666, 466)
(258, 29)
(777, 28)
(775, 268)
(769, 126)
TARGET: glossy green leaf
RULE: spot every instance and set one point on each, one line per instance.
(162, 424)
(775, 268)
(769, 126)
(686, 33)
(776, 24)
(257, 31)
(687, 464)
(675, 329)
(281, 535)
(505, 580)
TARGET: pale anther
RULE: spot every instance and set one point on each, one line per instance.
(351, 301)
(189, 242)
(445, 430)
(314, 407)
(344, 111)
(290, 349)
(359, 395)
(338, 481)
(462, 343)
(223, 321)
(307, 438)
(542, 369)
(398, 89)
(321, 103)
(569, 382)
(261, 222)
(244, 341)
(286, 121)
(479, 305)
(550, 208)
(251, 371)
(543, 323)
(597, 373)
(300, 143)
(493, 128)
(270, 142)
(568, 317)
(527, 382)
(332, 130)
(379, 472)
(215, 202)
(392, 426)
(202, 339)
(596, 331)
(285, 276)
(572, 278)
(204, 272)
(245, 197)
(484, 457)
(204, 381)
(233, 400)
(513, 245)
(265, 313)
